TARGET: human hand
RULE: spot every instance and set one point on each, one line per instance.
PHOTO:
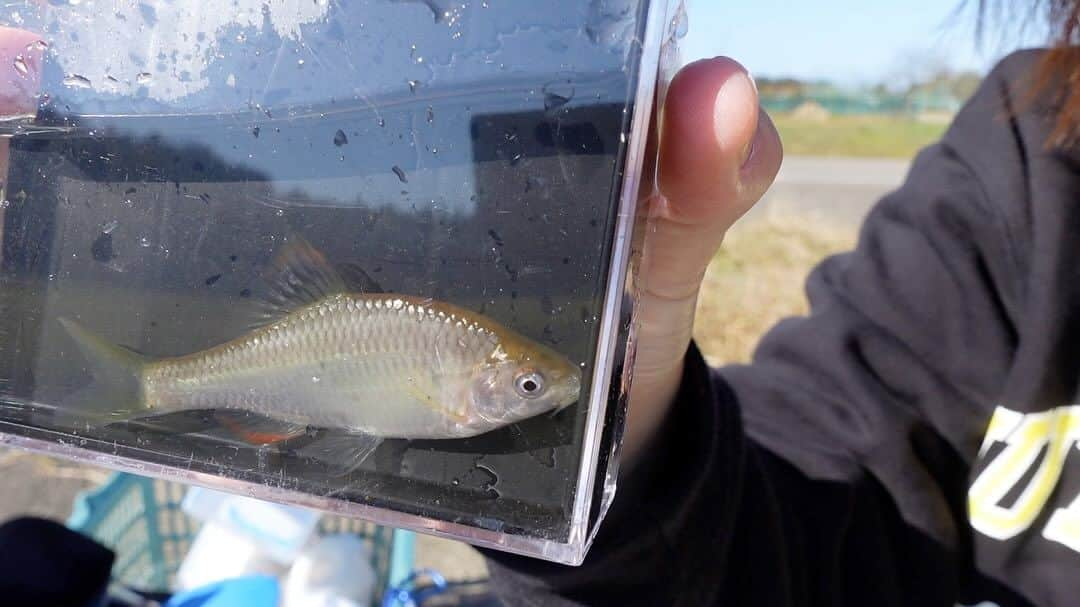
(20, 79)
(718, 153)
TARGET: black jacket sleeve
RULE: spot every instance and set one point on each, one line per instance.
(833, 469)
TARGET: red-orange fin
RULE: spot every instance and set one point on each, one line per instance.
(256, 429)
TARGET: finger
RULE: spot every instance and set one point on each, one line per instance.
(709, 121)
(20, 81)
(20, 72)
(763, 161)
(718, 154)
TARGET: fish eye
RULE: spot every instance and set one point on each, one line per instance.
(529, 384)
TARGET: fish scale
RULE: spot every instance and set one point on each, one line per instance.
(362, 348)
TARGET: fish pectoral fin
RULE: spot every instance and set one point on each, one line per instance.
(257, 429)
(342, 451)
(425, 398)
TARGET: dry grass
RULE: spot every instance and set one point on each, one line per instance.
(871, 135)
(757, 279)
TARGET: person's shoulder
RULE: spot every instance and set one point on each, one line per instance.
(1010, 111)
(1010, 94)
(1017, 65)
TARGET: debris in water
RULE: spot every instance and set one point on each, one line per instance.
(400, 174)
(557, 94)
(102, 248)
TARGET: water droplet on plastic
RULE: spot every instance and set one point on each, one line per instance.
(5, 203)
(315, 379)
(109, 226)
(300, 63)
(144, 78)
(382, 122)
(430, 115)
(144, 242)
(231, 80)
(20, 65)
(455, 35)
(680, 22)
(74, 2)
(241, 37)
(280, 213)
(37, 45)
(77, 81)
(400, 174)
(490, 479)
(412, 85)
(340, 138)
(255, 131)
(545, 457)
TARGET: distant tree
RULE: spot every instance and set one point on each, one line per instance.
(781, 87)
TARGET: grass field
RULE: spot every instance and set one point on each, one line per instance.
(876, 136)
(757, 279)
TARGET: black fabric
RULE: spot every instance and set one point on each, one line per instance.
(44, 563)
(913, 440)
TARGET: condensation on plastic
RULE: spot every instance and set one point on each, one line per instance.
(343, 106)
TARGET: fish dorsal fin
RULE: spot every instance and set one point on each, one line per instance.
(300, 275)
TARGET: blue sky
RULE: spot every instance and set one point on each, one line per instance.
(848, 41)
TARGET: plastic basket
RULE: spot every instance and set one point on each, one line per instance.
(141, 520)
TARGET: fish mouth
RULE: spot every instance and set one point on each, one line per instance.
(572, 392)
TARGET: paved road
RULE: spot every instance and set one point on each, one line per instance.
(840, 190)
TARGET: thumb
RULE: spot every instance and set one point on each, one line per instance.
(718, 155)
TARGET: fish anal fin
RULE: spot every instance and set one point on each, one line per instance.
(256, 429)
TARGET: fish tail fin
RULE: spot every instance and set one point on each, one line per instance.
(116, 391)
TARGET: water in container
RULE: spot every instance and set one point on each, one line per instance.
(367, 257)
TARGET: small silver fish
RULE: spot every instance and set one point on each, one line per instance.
(372, 364)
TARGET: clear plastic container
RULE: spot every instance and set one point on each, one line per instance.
(181, 175)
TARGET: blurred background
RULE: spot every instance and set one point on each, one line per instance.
(855, 88)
